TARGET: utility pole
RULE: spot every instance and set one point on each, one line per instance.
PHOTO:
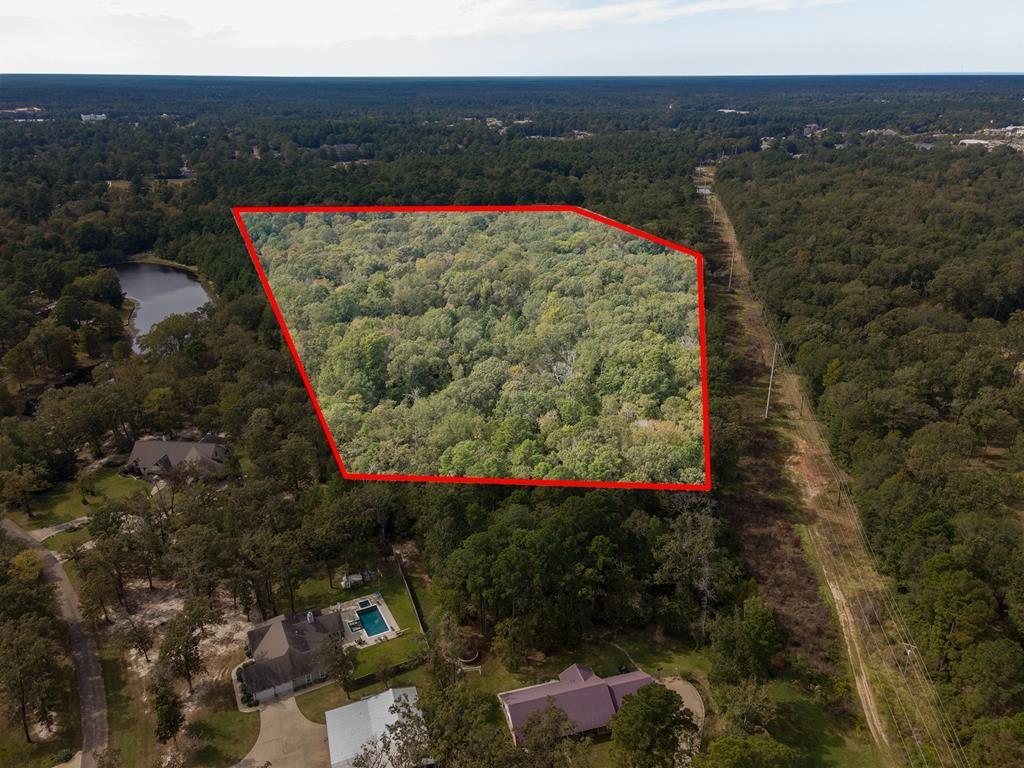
(771, 379)
(732, 261)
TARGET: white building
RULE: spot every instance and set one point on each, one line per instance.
(355, 724)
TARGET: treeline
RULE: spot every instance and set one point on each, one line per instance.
(896, 279)
(35, 671)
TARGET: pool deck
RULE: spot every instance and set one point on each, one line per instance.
(349, 613)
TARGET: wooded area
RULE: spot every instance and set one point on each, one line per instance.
(528, 345)
(894, 274)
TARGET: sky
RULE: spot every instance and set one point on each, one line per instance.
(511, 37)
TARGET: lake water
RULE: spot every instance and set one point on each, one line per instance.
(158, 291)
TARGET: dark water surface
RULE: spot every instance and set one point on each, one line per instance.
(158, 291)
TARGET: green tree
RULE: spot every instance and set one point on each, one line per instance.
(167, 706)
(29, 672)
(179, 649)
(17, 486)
(647, 729)
(339, 662)
(749, 705)
(759, 751)
(745, 642)
(139, 636)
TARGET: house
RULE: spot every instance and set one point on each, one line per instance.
(589, 701)
(286, 653)
(352, 726)
(94, 118)
(154, 458)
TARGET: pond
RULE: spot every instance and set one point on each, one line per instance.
(158, 291)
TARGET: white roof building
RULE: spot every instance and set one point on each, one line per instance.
(351, 726)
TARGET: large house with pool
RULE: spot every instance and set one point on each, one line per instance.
(285, 651)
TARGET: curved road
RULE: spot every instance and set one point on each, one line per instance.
(92, 696)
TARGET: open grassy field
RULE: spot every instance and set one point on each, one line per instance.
(64, 502)
(823, 738)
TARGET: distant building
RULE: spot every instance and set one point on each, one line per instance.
(988, 144)
(155, 458)
(363, 721)
(588, 701)
(94, 118)
(286, 652)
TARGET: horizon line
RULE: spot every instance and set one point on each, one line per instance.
(936, 73)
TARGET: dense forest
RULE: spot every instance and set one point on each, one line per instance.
(893, 272)
(896, 276)
(528, 345)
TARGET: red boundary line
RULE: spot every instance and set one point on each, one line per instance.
(705, 486)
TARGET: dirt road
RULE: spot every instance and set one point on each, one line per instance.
(900, 705)
(92, 694)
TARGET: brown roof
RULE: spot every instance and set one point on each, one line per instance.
(588, 701)
(288, 647)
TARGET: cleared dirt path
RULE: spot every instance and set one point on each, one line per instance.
(900, 705)
(92, 694)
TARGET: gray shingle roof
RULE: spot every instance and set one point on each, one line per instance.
(160, 456)
(286, 648)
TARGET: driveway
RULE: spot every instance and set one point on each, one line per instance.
(92, 694)
(287, 739)
(42, 534)
(688, 693)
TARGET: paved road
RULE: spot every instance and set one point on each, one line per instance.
(92, 694)
(287, 739)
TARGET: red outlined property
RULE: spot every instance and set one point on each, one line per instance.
(240, 212)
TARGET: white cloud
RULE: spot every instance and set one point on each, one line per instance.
(324, 23)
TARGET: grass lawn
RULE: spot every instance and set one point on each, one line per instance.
(132, 726)
(600, 753)
(64, 502)
(223, 734)
(665, 659)
(823, 738)
(58, 541)
(313, 704)
(68, 740)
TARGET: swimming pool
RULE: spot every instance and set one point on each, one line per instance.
(373, 621)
